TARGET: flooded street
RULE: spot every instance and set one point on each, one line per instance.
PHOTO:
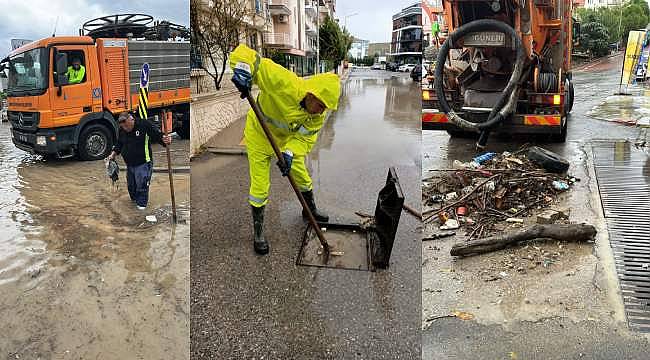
(569, 309)
(250, 306)
(83, 275)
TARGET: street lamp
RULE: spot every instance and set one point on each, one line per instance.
(620, 21)
(345, 19)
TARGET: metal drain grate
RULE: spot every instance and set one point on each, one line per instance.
(623, 175)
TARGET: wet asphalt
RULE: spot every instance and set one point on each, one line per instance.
(572, 310)
(246, 306)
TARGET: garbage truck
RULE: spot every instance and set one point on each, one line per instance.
(504, 66)
(53, 116)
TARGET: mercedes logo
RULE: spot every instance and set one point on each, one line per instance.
(21, 122)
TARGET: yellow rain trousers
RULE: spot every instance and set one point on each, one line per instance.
(293, 128)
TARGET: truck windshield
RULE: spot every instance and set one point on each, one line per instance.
(28, 73)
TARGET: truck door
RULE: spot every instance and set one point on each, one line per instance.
(71, 100)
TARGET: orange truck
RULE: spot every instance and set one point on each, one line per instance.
(504, 66)
(53, 117)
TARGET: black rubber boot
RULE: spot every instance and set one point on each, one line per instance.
(309, 199)
(260, 244)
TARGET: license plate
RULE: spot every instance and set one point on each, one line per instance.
(20, 137)
(486, 38)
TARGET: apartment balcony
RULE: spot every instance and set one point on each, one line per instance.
(310, 29)
(279, 7)
(310, 9)
(278, 40)
(256, 21)
(413, 10)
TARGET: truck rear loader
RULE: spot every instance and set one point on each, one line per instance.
(504, 66)
(52, 117)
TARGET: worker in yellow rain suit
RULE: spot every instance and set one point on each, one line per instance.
(295, 112)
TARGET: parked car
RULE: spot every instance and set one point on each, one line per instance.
(391, 66)
(406, 67)
(416, 73)
(376, 67)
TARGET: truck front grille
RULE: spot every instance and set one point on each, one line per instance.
(23, 120)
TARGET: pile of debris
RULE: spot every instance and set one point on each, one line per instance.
(495, 191)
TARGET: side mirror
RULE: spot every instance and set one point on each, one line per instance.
(61, 68)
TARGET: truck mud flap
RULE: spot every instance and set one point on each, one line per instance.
(360, 246)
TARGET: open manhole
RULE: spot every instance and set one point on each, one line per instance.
(623, 175)
(366, 246)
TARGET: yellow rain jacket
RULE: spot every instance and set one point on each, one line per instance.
(76, 76)
(293, 128)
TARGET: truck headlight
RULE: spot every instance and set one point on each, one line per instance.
(41, 141)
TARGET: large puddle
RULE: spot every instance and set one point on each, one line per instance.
(72, 239)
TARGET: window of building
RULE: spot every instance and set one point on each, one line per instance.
(252, 41)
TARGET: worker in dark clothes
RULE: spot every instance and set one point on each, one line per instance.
(134, 143)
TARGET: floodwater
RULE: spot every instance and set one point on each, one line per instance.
(82, 273)
(251, 306)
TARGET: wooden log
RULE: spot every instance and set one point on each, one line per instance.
(562, 232)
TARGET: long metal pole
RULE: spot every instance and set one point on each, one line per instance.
(167, 115)
(269, 136)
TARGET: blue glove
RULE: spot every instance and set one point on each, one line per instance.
(288, 159)
(242, 79)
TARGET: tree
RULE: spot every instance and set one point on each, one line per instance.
(618, 20)
(334, 42)
(215, 30)
(594, 38)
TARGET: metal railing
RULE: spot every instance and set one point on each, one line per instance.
(277, 39)
(407, 12)
(279, 2)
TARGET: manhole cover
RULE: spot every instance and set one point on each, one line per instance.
(355, 246)
(350, 249)
(623, 175)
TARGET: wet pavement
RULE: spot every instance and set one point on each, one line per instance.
(83, 275)
(569, 310)
(249, 307)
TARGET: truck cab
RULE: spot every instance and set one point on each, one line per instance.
(46, 110)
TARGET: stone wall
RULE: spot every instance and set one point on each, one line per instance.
(211, 113)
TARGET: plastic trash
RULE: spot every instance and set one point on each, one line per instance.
(151, 218)
(451, 196)
(560, 185)
(485, 157)
(450, 224)
(112, 170)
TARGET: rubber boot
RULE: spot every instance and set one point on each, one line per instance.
(260, 244)
(309, 199)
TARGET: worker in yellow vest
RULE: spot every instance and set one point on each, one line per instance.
(76, 72)
(295, 112)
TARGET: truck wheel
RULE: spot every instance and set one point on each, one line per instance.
(569, 100)
(548, 159)
(95, 143)
(184, 130)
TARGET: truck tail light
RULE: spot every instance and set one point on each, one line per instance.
(546, 99)
(557, 99)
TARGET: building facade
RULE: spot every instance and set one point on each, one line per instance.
(359, 48)
(600, 3)
(379, 49)
(283, 30)
(406, 44)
